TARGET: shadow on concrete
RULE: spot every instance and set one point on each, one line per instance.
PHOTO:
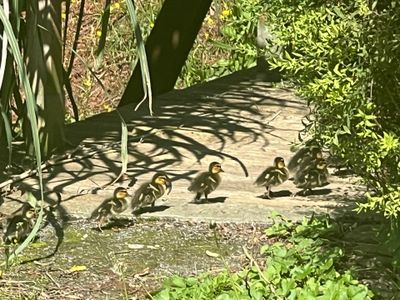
(149, 209)
(209, 200)
(179, 115)
(115, 224)
(227, 110)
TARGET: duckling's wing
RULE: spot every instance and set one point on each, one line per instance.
(144, 194)
(119, 205)
(301, 174)
(311, 177)
(199, 183)
(272, 176)
(322, 177)
(103, 209)
(298, 158)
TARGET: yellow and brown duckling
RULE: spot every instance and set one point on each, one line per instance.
(149, 192)
(273, 176)
(111, 207)
(315, 174)
(206, 182)
(18, 226)
(303, 157)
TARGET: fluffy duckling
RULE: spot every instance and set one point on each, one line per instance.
(206, 182)
(304, 156)
(149, 192)
(19, 226)
(273, 176)
(111, 207)
(311, 176)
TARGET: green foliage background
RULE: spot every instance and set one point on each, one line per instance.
(343, 58)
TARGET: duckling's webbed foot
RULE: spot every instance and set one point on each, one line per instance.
(267, 194)
(206, 196)
(197, 199)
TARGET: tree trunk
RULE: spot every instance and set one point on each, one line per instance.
(168, 46)
(44, 65)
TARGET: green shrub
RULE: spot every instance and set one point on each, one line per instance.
(300, 266)
(343, 57)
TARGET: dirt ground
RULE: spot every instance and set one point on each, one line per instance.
(125, 262)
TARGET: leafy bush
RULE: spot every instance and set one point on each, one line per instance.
(297, 267)
(343, 57)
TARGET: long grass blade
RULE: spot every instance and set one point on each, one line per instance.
(3, 66)
(31, 108)
(7, 127)
(4, 44)
(144, 67)
(16, 9)
(33, 233)
(124, 148)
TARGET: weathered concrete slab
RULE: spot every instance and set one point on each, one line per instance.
(241, 120)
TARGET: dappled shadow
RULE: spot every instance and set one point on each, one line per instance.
(150, 209)
(343, 173)
(314, 192)
(115, 224)
(189, 124)
(192, 123)
(201, 123)
(276, 194)
(210, 200)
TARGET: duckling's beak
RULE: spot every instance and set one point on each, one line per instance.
(168, 184)
(221, 170)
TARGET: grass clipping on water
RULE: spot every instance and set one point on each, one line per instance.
(299, 265)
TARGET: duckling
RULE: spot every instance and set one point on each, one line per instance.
(111, 207)
(304, 156)
(19, 226)
(149, 192)
(206, 182)
(311, 176)
(273, 176)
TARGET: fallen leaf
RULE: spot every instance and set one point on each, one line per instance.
(77, 268)
(212, 254)
(135, 246)
(153, 247)
(143, 273)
